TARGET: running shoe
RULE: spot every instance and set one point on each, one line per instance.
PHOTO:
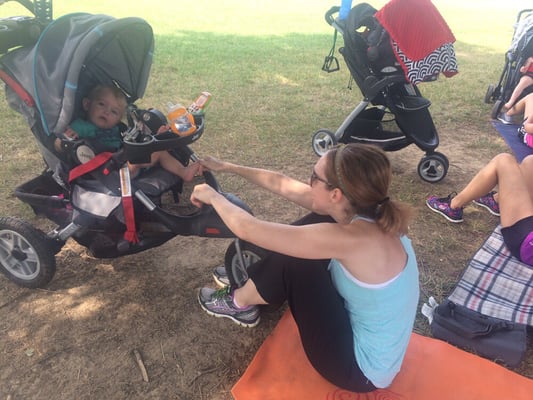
(489, 203)
(441, 205)
(219, 303)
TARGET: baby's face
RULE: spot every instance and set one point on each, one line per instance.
(106, 111)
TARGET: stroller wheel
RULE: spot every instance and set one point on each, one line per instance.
(490, 92)
(237, 272)
(433, 167)
(496, 108)
(323, 140)
(26, 254)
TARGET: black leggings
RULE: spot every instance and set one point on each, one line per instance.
(318, 310)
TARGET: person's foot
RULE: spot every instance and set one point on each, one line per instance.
(220, 276)
(441, 205)
(219, 303)
(489, 203)
(506, 118)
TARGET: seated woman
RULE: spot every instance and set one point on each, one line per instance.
(349, 275)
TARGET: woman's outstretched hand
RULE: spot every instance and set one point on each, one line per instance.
(213, 164)
(203, 194)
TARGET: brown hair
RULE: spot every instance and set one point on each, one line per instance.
(363, 173)
(99, 90)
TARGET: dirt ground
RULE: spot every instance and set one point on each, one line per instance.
(77, 338)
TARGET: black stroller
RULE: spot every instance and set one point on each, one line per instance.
(49, 68)
(520, 50)
(396, 102)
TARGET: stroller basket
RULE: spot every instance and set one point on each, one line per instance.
(45, 197)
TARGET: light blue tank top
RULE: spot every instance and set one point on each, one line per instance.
(382, 317)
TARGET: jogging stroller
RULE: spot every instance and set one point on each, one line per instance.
(520, 50)
(393, 114)
(49, 68)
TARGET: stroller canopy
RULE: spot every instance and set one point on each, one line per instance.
(76, 52)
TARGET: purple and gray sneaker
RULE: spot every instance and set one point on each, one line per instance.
(489, 203)
(219, 303)
(441, 205)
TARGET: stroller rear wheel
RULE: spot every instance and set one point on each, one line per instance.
(496, 108)
(236, 266)
(433, 167)
(26, 255)
(323, 140)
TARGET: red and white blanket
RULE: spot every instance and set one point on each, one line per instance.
(420, 38)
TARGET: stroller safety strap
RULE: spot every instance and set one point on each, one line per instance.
(89, 166)
(125, 187)
(127, 205)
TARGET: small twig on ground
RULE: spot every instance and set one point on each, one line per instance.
(140, 363)
(202, 373)
(178, 365)
(162, 352)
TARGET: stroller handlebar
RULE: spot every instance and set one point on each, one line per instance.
(329, 14)
(41, 9)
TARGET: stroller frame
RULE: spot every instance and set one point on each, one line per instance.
(388, 92)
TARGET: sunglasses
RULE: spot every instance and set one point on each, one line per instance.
(314, 177)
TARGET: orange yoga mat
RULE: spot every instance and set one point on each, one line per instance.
(432, 370)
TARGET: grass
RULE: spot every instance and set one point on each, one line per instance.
(261, 61)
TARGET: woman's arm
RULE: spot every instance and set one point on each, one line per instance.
(293, 190)
(315, 241)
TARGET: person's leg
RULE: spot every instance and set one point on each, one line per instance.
(522, 84)
(514, 199)
(526, 168)
(319, 312)
(522, 104)
(171, 164)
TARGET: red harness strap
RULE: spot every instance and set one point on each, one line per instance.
(89, 166)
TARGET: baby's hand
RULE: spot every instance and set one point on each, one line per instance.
(70, 134)
(163, 129)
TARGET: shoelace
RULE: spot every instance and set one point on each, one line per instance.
(222, 292)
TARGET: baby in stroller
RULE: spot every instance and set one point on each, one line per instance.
(85, 190)
(104, 109)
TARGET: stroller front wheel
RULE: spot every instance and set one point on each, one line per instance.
(26, 256)
(323, 140)
(237, 261)
(433, 167)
